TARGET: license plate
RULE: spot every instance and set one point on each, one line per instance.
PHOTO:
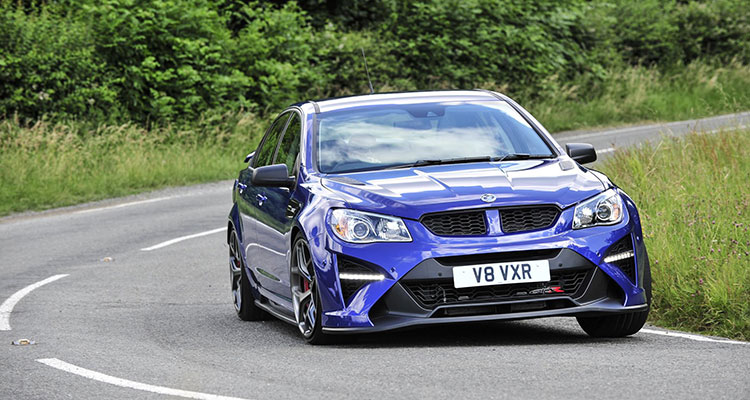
(501, 273)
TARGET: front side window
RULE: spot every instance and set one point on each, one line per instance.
(267, 149)
(382, 136)
(289, 147)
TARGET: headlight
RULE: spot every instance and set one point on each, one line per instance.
(603, 209)
(363, 227)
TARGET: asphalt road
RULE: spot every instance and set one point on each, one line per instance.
(126, 323)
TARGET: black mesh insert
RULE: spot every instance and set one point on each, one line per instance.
(351, 286)
(466, 223)
(432, 293)
(519, 219)
(626, 265)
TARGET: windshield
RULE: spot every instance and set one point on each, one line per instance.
(385, 136)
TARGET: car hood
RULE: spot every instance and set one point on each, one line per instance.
(412, 192)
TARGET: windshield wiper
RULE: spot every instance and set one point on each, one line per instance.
(440, 161)
(523, 156)
(461, 160)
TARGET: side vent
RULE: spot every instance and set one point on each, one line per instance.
(353, 275)
(621, 254)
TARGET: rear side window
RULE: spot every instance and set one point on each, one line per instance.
(267, 148)
(289, 148)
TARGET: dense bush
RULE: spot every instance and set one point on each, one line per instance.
(170, 57)
(175, 60)
(48, 66)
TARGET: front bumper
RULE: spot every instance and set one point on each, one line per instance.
(399, 301)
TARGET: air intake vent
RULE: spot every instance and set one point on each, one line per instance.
(349, 270)
(622, 256)
(432, 293)
(466, 223)
(521, 219)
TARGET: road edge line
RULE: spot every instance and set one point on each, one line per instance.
(104, 378)
(7, 307)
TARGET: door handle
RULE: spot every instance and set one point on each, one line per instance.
(261, 198)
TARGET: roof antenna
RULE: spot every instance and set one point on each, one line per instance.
(372, 91)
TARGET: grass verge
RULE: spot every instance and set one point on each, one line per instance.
(640, 94)
(51, 165)
(693, 195)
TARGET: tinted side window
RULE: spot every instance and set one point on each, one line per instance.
(264, 155)
(290, 144)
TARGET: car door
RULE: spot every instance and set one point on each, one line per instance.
(250, 195)
(277, 210)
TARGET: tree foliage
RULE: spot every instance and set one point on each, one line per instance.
(172, 60)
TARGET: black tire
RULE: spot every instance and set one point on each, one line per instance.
(613, 326)
(244, 302)
(306, 295)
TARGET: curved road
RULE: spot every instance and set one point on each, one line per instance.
(133, 313)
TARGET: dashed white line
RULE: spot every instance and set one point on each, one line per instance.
(697, 338)
(7, 307)
(182, 238)
(607, 150)
(132, 203)
(98, 376)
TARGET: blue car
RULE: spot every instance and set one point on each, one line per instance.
(386, 211)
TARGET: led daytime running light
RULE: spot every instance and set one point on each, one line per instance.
(361, 277)
(619, 256)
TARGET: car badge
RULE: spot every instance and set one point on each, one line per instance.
(488, 198)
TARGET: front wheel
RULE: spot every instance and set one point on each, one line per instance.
(619, 325)
(305, 295)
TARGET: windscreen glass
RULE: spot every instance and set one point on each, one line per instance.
(383, 136)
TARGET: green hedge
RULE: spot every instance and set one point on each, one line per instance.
(175, 60)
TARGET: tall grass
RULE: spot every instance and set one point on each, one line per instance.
(693, 194)
(640, 94)
(49, 165)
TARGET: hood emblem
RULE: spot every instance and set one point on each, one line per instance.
(488, 198)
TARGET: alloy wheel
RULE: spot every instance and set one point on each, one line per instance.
(235, 269)
(303, 289)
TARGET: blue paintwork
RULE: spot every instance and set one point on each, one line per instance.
(410, 193)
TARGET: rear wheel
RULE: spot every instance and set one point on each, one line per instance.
(623, 324)
(244, 302)
(305, 295)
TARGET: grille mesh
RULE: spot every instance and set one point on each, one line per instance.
(456, 224)
(528, 218)
(430, 294)
(626, 265)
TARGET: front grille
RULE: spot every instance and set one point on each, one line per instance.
(432, 293)
(520, 219)
(627, 265)
(466, 223)
(351, 286)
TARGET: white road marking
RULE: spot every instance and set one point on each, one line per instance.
(132, 203)
(7, 307)
(182, 238)
(98, 376)
(697, 338)
(607, 150)
(264, 248)
(661, 128)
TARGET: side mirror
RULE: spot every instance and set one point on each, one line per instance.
(273, 175)
(249, 157)
(581, 152)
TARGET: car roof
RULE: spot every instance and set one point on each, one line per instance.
(341, 103)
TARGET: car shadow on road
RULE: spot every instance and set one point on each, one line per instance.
(562, 331)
